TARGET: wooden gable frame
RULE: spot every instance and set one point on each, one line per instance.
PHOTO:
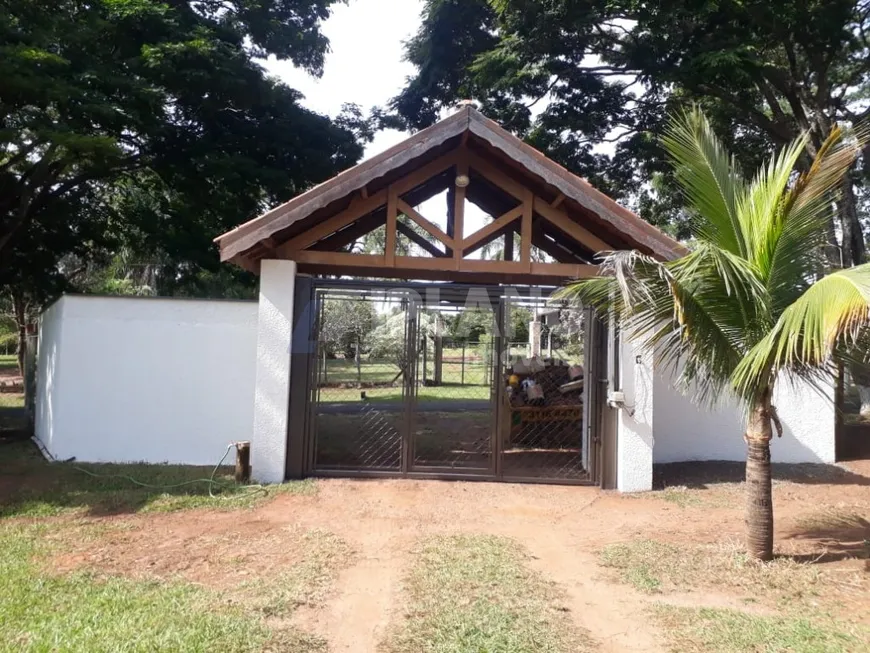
(543, 209)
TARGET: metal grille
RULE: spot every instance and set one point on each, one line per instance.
(405, 385)
(360, 390)
(543, 379)
(454, 401)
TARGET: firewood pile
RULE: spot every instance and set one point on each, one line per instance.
(544, 384)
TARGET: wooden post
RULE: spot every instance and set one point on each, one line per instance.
(425, 346)
(243, 462)
(464, 345)
(438, 358)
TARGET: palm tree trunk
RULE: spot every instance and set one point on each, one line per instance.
(759, 495)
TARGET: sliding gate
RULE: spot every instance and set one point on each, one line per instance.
(441, 381)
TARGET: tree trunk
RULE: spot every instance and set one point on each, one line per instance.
(759, 495)
(19, 309)
(853, 235)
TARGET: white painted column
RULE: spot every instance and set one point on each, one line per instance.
(634, 449)
(272, 394)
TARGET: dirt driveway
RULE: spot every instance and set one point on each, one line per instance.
(564, 530)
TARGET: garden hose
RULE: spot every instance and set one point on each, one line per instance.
(256, 489)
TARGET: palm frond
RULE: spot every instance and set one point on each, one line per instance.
(710, 180)
(685, 312)
(831, 312)
(761, 208)
(797, 240)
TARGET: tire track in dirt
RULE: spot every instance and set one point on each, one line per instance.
(615, 616)
(357, 616)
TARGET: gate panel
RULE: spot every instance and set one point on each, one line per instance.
(544, 375)
(453, 398)
(361, 381)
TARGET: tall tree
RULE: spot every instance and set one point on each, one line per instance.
(747, 309)
(571, 75)
(150, 122)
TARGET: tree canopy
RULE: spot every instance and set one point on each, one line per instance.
(572, 75)
(150, 124)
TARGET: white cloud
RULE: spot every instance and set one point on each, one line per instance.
(365, 66)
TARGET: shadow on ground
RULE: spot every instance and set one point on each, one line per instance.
(839, 538)
(32, 486)
(707, 475)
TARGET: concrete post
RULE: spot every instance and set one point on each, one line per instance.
(535, 334)
(634, 449)
(272, 393)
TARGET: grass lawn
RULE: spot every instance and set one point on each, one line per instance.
(49, 510)
(713, 630)
(37, 488)
(90, 611)
(451, 392)
(8, 361)
(475, 594)
(788, 592)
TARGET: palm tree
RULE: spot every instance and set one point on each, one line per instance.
(748, 306)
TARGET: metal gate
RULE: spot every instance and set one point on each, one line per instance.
(437, 381)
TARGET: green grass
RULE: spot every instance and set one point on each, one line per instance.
(655, 567)
(475, 594)
(8, 361)
(83, 611)
(392, 395)
(36, 488)
(641, 564)
(11, 400)
(79, 612)
(708, 630)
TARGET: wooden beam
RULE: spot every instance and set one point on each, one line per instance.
(433, 229)
(418, 240)
(509, 245)
(564, 223)
(336, 222)
(390, 239)
(451, 215)
(351, 233)
(425, 173)
(556, 203)
(441, 264)
(364, 192)
(459, 208)
(526, 230)
(468, 245)
(570, 270)
(557, 250)
(496, 176)
(337, 259)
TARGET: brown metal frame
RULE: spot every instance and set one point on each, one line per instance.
(407, 468)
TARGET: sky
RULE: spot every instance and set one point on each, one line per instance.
(366, 67)
(366, 64)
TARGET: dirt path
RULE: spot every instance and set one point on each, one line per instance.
(563, 528)
(357, 616)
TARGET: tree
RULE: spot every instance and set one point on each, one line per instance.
(572, 75)
(747, 308)
(150, 125)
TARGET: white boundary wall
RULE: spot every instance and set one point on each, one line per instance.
(145, 380)
(659, 424)
(685, 432)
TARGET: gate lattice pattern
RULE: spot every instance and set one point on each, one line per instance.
(405, 387)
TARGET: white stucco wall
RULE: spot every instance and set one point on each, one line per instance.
(272, 395)
(686, 432)
(145, 380)
(46, 415)
(636, 422)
